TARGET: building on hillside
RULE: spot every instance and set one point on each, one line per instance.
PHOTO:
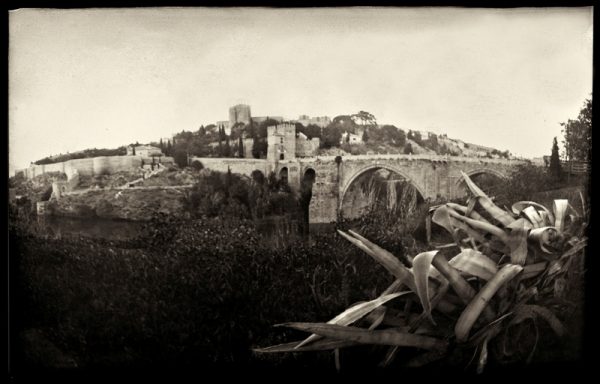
(321, 121)
(351, 138)
(281, 142)
(260, 119)
(143, 150)
(239, 114)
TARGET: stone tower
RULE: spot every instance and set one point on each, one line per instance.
(281, 140)
(239, 114)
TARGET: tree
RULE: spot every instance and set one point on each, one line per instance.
(365, 136)
(220, 148)
(180, 158)
(197, 165)
(161, 145)
(408, 148)
(331, 136)
(240, 147)
(365, 117)
(554, 169)
(578, 135)
(227, 148)
(348, 137)
(259, 147)
(169, 148)
(133, 149)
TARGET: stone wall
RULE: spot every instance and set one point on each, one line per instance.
(240, 166)
(307, 148)
(61, 186)
(88, 166)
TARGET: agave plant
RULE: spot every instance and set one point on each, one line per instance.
(500, 270)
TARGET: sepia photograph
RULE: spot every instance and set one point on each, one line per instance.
(302, 191)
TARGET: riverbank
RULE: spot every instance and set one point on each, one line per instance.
(136, 204)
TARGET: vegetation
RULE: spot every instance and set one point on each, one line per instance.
(495, 291)
(578, 135)
(554, 169)
(232, 195)
(121, 151)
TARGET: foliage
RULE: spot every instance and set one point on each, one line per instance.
(311, 130)
(332, 136)
(232, 195)
(578, 134)
(121, 151)
(365, 118)
(197, 165)
(524, 181)
(181, 158)
(503, 273)
(554, 169)
(200, 293)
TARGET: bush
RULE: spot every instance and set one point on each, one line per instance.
(180, 158)
(197, 165)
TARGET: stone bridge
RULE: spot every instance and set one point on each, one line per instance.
(432, 176)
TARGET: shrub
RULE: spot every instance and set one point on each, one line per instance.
(197, 165)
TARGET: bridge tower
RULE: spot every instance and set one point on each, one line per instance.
(281, 140)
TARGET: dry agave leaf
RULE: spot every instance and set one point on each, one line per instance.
(356, 312)
(517, 242)
(528, 311)
(496, 212)
(481, 225)
(475, 235)
(479, 302)
(575, 248)
(474, 263)
(520, 205)
(520, 222)
(560, 209)
(533, 216)
(464, 210)
(442, 218)
(464, 291)
(364, 336)
(388, 260)
(532, 270)
(319, 345)
(483, 356)
(544, 237)
(421, 268)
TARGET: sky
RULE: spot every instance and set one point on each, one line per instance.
(85, 78)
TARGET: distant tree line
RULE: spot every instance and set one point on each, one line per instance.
(94, 152)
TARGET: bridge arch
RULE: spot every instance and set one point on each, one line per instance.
(460, 188)
(374, 167)
(479, 171)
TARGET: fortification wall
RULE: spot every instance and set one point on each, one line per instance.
(240, 166)
(89, 166)
(307, 148)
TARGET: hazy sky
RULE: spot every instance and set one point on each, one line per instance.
(108, 77)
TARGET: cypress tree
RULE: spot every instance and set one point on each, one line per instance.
(555, 168)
